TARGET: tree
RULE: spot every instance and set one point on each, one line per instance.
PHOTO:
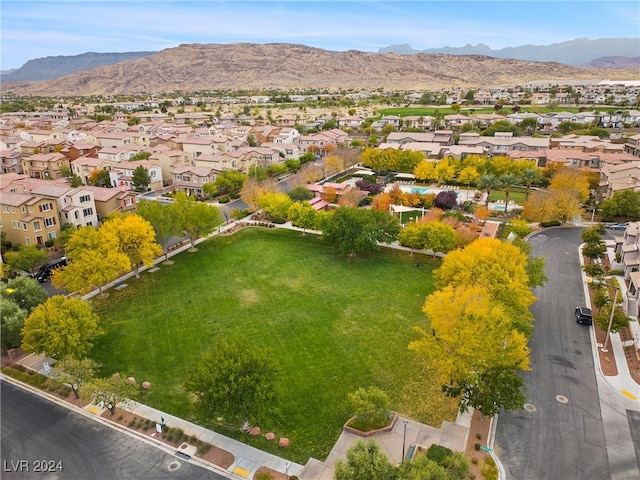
(108, 392)
(488, 182)
(275, 204)
(446, 200)
(234, 381)
(26, 258)
(365, 461)
(507, 182)
(624, 203)
(164, 219)
(371, 408)
(140, 179)
(135, 238)
(468, 175)
(530, 177)
(539, 207)
(620, 319)
(333, 164)
(302, 215)
(300, 194)
(25, 291)
(61, 327)
(572, 181)
(425, 170)
(435, 236)
(500, 267)
(444, 171)
(353, 230)
(11, 323)
(252, 189)
(530, 125)
(76, 372)
(471, 333)
(196, 219)
(94, 260)
(565, 205)
(229, 181)
(99, 178)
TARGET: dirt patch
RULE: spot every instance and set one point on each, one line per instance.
(607, 360)
(478, 434)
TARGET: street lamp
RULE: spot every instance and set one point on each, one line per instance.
(613, 309)
(404, 437)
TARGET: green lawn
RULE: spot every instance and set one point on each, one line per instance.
(514, 196)
(334, 325)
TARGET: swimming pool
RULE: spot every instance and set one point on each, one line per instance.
(428, 191)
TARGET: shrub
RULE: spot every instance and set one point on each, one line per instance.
(551, 223)
(370, 408)
(264, 476)
(223, 200)
(490, 469)
(439, 453)
(616, 272)
(594, 270)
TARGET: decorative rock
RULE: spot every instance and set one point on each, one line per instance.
(116, 376)
(146, 385)
(283, 442)
(254, 431)
(131, 380)
(270, 436)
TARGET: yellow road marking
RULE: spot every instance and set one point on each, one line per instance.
(630, 395)
(241, 471)
(94, 410)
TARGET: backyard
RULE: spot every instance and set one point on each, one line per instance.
(334, 324)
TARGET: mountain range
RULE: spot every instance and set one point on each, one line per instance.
(580, 51)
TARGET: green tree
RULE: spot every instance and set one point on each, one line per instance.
(26, 258)
(99, 178)
(624, 203)
(135, 239)
(229, 181)
(25, 291)
(76, 372)
(507, 182)
(620, 319)
(11, 323)
(435, 236)
(353, 230)
(488, 182)
(371, 408)
(300, 194)
(108, 392)
(530, 125)
(530, 177)
(365, 461)
(275, 204)
(140, 179)
(196, 219)
(164, 219)
(61, 327)
(234, 381)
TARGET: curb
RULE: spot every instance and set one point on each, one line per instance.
(114, 425)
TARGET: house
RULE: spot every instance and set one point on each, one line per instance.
(10, 161)
(618, 177)
(84, 167)
(75, 206)
(192, 180)
(628, 248)
(168, 159)
(44, 165)
(116, 199)
(79, 149)
(502, 144)
(28, 219)
(122, 174)
(632, 146)
(319, 142)
(442, 137)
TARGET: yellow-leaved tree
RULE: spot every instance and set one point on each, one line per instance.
(135, 238)
(425, 170)
(473, 349)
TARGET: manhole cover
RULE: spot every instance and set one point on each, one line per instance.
(562, 399)
(529, 408)
(174, 465)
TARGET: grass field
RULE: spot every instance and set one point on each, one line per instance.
(334, 325)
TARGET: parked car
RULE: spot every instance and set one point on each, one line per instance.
(44, 273)
(584, 316)
(617, 226)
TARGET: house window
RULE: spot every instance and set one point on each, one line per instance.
(205, 180)
(76, 214)
(85, 198)
(178, 177)
(5, 209)
(51, 235)
(24, 209)
(25, 227)
(39, 240)
(15, 225)
(128, 201)
(36, 226)
(27, 241)
(45, 207)
(49, 222)
(87, 212)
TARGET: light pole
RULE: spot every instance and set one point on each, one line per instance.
(613, 309)
(404, 437)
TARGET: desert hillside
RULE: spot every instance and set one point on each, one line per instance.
(198, 67)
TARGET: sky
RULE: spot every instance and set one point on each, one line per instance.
(31, 30)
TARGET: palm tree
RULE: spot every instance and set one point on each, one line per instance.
(530, 177)
(487, 183)
(507, 182)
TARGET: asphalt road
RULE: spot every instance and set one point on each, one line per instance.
(561, 436)
(40, 435)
